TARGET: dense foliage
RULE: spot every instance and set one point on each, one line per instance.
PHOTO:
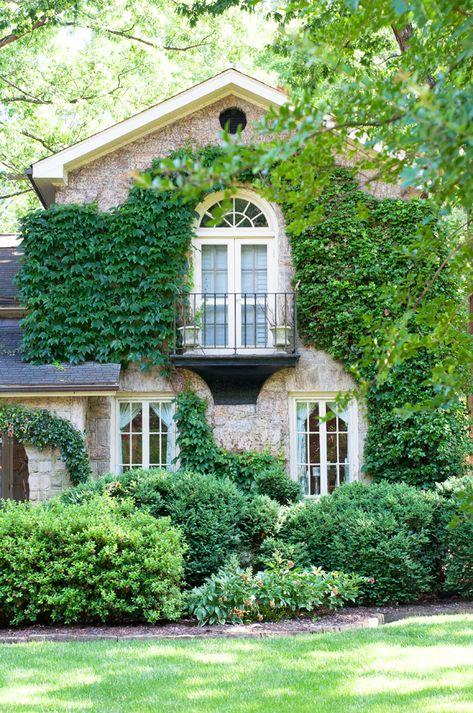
(357, 267)
(392, 533)
(42, 429)
(210, 511)
(255, 472)
(95, 562)
(457, 535)
(89, 279)
(234, 595)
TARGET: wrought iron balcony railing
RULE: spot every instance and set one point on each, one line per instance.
(232, 322)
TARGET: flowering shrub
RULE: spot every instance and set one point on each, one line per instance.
(236, 595)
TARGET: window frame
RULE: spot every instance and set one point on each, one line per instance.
(352, 430)
(145, 400)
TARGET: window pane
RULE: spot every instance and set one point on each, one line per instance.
(314, 480)
(214, 325)
(154, 450)
(314, 447)
(332, 448)
(253, 335)
(125, 452)
(342, 447)
(331, 478)
(136, 450)
(314, 423)
(343, 476)
(137, 423)
(254, 262)
(331, 420)
(125, 416)
(214, 268)
(154, 417)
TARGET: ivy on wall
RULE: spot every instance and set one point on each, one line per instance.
(42, 429)
(101, 286)
(354, 266)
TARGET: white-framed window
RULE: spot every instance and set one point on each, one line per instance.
(235, 271)
(146, 433)
(323, 443)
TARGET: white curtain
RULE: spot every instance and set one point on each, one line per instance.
(165, 412)
(128, 411)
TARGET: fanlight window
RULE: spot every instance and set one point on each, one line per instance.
(241, 214)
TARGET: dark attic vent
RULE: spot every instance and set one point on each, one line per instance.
(232, 119)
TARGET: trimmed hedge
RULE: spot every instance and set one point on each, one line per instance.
(96, 562)
(458, 536)
(389, 532)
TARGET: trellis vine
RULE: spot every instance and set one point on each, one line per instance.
(42, 429)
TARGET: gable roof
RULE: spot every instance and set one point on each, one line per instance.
(53, 170)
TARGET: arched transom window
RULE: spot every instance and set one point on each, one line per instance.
(242, 213)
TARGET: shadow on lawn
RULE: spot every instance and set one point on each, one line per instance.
(417, 665)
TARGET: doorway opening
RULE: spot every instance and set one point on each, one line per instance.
(14, 473)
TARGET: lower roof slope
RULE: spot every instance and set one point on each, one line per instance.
(17, 376)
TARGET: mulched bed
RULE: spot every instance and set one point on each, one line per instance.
(348, 618)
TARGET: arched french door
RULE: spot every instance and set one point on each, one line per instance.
(14, 474)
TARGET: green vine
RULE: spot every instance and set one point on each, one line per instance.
(42, 429)
(102, 286)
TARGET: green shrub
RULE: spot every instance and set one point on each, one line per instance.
(384, 531)
(458, 536)
(95, 562)
(260, 521)
(209, 511)
(234, 595)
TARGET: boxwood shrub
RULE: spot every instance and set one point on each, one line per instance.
(457, 536)
(209, 511)
(389, 532)
(94, 562)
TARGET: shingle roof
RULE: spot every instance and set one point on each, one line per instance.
(17, 375)
(9, 266)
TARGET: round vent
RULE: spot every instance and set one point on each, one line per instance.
(232, 119)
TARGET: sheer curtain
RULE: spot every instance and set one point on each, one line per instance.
(128, 411)
(165, 412)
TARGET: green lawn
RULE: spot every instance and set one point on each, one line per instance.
(423, 664)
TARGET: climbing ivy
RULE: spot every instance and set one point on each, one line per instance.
(357, 266)
(42, 429)
(101, 285)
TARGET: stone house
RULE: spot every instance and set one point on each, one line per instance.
(238, 347)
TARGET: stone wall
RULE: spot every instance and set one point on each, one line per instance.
(266, 424)
(107, 179)
(48, 475)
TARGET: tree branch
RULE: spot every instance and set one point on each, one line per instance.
(17, 193)
(13, 37)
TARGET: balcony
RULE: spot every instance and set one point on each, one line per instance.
(235, 341)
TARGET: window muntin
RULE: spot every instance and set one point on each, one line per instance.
(146, 437)
(322, 446)
(243, 213)
(214, 268)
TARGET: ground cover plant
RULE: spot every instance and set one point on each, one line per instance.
(100, 561)
(235, 595)
(418, 665)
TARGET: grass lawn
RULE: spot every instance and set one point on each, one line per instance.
(421, 664)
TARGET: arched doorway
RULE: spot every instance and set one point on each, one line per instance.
(14, 474)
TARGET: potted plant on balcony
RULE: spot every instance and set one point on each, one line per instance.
(190, 329)
(279, 323)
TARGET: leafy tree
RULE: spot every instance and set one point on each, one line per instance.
(69, 68)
